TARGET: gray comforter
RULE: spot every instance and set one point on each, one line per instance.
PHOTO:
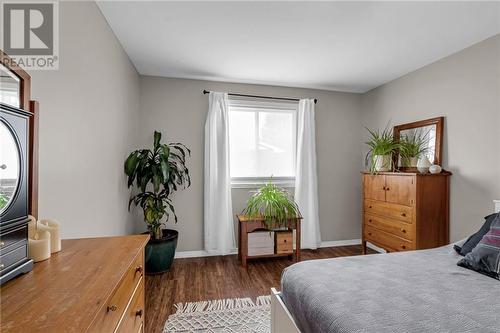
(420, 291)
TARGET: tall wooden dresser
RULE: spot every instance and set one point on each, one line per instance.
(405, 211)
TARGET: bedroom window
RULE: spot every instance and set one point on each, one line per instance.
(262, 141)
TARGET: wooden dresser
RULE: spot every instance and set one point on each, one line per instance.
(92, 285)
(405, 211)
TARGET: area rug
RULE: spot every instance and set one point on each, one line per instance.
(240, 315)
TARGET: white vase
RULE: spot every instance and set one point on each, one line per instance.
(382, 162)
(423, 164)
(435, 169)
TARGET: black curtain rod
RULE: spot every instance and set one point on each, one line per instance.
(265, 97)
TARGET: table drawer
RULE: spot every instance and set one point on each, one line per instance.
(133, 318)
(13, 257)
(12, 237)
(386, 240)
(399, 212)
(284, 242)
(395, 227)
(109, 315)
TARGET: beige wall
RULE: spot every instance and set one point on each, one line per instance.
(87, 112)
(178, 109)
(465, 88)
(91, 118)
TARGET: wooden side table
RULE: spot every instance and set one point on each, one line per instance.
(247, 225)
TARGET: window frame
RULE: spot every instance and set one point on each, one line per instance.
(235, 103)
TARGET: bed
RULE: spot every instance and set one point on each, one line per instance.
(418, 291)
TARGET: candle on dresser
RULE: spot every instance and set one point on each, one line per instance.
(55, 237)
(39, 246)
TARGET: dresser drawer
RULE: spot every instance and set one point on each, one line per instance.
(386, 240)
(12, 237)
(109, 315)
(399, 212)
(13, 257)
(133, 318)
(395, 227)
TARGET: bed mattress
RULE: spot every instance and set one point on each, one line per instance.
(419, 291)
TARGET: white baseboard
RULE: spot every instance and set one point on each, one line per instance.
(202, 253)
(375, 248)
(341, 243)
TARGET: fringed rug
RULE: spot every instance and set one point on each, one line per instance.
(240, 315)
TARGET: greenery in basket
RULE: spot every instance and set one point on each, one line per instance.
(381, 143)
(157, 173)
(272, 203)
(413, 145)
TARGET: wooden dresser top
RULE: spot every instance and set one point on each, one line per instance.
(66, 291)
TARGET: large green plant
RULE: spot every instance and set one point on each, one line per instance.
(381, 143)
(157, 174)
(275, 205)
(413, 144)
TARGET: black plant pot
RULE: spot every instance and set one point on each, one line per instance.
(160, 253)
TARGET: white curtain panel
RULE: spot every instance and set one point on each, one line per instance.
(306, 179)
(218, 210)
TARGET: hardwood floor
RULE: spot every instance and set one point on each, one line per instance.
(207, 278)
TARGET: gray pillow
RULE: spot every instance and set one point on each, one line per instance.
(485, 257)
(473, 240)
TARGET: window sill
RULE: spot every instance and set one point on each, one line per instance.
(258, 182)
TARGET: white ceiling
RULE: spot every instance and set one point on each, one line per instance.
(346, 46)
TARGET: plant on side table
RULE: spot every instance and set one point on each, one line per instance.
(382, 146)
(158, 173)
(275, 205)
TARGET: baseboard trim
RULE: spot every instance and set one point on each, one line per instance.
(346, 242)
(202, 253)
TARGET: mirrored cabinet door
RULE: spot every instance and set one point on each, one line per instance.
(10, 88)
(10, 167)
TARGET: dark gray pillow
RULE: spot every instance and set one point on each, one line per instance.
(473, 240)
(485, 257)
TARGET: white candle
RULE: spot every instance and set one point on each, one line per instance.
(39, 246)
(55, 237)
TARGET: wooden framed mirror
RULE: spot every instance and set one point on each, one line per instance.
(431, 130)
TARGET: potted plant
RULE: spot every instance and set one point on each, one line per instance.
(382, 146)
(158, 173)
(275, 205)
(411, 146)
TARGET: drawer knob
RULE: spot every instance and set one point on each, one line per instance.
(403, 231)
(370, 206)
(112, 308)
(387, 189)
(403, 247)
(403, 214)
(138, 313)
(369, 234)
(284, 241)
(369, 220)
(138, 269)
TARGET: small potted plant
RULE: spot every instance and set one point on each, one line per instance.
(158, 173)
(273, 204)
(412, 145)
(382, 146)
